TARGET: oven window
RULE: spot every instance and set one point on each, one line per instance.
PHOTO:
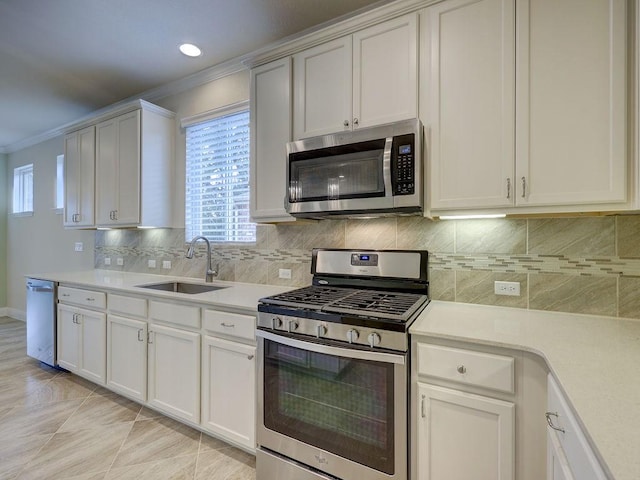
(341, 405)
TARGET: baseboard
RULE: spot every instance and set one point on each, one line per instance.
(4, 312)
(15, 314)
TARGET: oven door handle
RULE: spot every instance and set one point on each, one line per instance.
(335, 351)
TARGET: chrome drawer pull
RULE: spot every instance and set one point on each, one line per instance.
(228, 325)
(89, 299)
(548, 415)
(249, 357)
(422, 407)
(461, 369)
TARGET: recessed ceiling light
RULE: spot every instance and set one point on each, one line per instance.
(190, 50)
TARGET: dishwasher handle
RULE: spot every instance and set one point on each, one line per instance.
(38, 288)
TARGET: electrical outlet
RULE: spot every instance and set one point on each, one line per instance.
(507, 288)
(79, 246)
(107, 260)
(284, 273)
(151, 264)
(119, 261)
(166, 264)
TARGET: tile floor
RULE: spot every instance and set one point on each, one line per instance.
(54, 426)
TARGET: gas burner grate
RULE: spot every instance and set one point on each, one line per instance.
(308, 297)
(390, 305)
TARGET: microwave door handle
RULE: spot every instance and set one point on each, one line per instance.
(386, 167)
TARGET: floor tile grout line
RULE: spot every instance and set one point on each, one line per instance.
(119, 449)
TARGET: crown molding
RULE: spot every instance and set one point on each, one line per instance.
(345, 25)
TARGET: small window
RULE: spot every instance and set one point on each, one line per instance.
(217, 179)
(23, 189)
(60, 182)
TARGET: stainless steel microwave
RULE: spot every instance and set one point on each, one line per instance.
(366, 172)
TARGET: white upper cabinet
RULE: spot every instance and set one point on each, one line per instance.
(571, 101)
(322, 89)
(525, 105)
(270, 131)
(366, 79)
(79, 172)
(467, 96)
(134, 168)
(385, 72)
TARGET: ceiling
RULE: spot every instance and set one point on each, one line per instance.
(63, 59)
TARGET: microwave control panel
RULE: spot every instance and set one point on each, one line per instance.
(403, 165)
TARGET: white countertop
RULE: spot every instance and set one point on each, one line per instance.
(235, 295)
(595, 359)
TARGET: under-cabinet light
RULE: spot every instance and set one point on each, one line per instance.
(472, 217)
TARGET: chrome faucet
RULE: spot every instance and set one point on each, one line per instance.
(210, 271)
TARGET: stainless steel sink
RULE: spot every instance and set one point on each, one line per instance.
(182, 287)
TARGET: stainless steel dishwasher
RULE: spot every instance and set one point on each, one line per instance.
(41, 321)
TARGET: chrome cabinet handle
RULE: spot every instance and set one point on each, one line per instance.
(461, 369)
(548, 415)
(508, 188)
(149, 337)
(345, 123)
(140, 337)
(228, 325)
(356, 122)
(423, 410)
(249, 357)
(65, 295)
(524, 187)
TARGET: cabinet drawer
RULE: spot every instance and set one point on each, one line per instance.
(128, 306)
(176, 314)
(582, 461)
(468, 367)
(86, 298)
(243, 326)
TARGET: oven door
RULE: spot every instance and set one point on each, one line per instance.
(342, 411)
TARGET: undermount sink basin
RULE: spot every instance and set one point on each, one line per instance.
(182, 287)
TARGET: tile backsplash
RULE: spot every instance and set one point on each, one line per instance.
(580, 265)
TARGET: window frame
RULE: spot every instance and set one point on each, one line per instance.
(197, 120)
(59, 190)
(23, 180)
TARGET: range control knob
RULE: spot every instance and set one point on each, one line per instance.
(292, 325)
(276, 322)
(352, 335)
(373, 339)
(321, 331)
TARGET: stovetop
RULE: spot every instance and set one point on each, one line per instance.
(396, 306)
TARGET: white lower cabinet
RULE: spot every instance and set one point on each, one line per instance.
(464, 436)
(127, 356)
(82, 342)
(557, 462)
(229, 390)
(174, 371)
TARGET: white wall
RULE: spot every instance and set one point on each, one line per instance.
(40, 244)
(3, 230)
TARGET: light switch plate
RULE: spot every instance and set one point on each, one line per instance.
(107, 260)
(151, 264)
(79, 246)
(284, 273)
(166, 264)
(119, 261)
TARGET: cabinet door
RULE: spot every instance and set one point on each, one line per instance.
(127, 356)
(571, 101)
(93, 343)
(270, 131)
(79, 170)
(467, 102)
(68, 336)
(229, 390)
(464, 436)
(385, 72)
(322, 89)
(174, 371)
(118, 170)
(557, 463)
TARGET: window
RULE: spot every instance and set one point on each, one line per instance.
(60, 182)
(23, 189)
(217, 179)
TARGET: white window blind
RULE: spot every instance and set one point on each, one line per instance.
(23, 189)
(217, 179)
(60, 182)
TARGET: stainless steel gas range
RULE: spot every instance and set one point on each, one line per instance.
(333, 368)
